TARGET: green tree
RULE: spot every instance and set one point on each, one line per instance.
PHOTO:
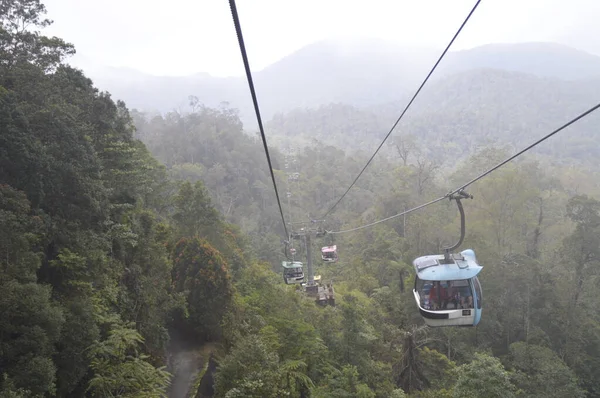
(252, 369)
(344, 383)
(18, 44)
(194, 213)
(484, 376)
(201, 273)
(121, 370)
(539, 372)
(29, 328)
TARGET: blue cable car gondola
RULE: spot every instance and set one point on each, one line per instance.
(447, 290)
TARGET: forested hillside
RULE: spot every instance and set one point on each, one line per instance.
(458, 114)
(127, 237)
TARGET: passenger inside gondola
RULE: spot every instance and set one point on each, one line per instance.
(438, 296)
(461, 296)
(445, 295)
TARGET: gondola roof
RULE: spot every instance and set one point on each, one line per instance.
(461, 266)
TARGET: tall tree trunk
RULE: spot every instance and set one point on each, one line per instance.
(534, 251)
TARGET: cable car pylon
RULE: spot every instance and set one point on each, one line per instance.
(323, 294)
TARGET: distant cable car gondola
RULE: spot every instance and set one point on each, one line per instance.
(292, 272)
(329, 254)
(447, 290)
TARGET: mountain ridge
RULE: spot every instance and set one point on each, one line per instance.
(456, 114)
(363, 74)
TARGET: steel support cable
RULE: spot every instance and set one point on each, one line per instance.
(564, 126)
(407, 106)
(389, 218)
(240, 37)
(450, 194)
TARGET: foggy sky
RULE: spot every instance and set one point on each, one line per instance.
(183, 37)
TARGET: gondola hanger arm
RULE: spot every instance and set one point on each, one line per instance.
(461, 194)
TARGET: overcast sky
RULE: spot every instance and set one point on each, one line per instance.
(182, 37)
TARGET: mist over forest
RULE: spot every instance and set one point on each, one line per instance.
(141, 242)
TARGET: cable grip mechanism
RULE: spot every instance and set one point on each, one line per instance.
(461, 194)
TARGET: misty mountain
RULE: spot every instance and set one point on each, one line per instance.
(540, 59)
(358, 73)
(457, 114)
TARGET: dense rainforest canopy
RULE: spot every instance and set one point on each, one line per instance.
(131, 242)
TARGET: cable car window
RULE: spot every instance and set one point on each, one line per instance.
(445, 295)
(293, 271)
(423, 288)
(478, 292)
(426, 263)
